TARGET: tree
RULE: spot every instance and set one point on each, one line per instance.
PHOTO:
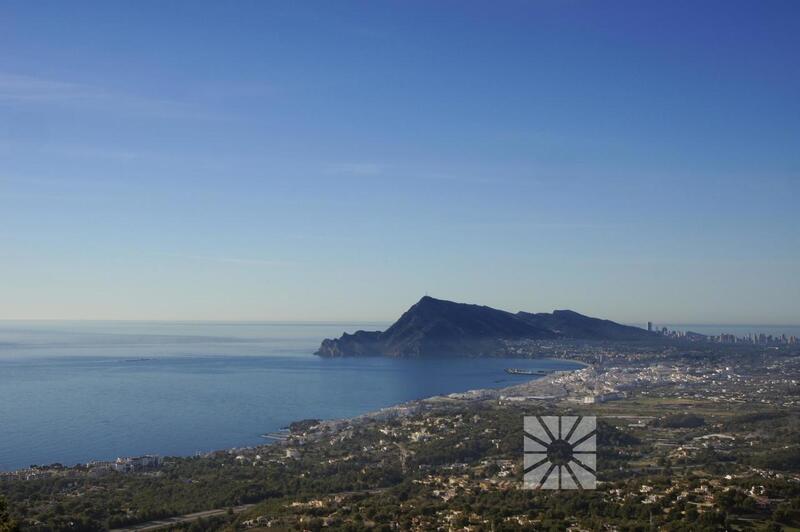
(6, 523)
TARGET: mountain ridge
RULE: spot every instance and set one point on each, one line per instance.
(438, 328)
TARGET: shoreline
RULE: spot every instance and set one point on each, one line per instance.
(402, 409)
(542, 389)
(408, 408)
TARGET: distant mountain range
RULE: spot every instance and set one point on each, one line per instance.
(434, 327)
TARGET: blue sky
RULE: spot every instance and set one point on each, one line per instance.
(337, 160)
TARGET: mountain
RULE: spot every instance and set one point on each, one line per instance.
(434, 327)
(570, 324)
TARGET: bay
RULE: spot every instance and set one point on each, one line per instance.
(71, 392)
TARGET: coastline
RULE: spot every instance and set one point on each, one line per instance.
(531, 387)
(337, 462)
(541, 389)
(541, 386)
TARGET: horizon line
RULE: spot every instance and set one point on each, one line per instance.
(350, 321)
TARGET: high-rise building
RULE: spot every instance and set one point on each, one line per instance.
(650, 326)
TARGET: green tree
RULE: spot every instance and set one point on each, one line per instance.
(6, 523)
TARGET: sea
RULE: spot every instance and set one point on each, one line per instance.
(71, 392)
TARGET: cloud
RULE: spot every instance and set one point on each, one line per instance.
(232, 260)
(358, 169)
(54, 188)
(460, 178)
(92, 152)
(27, 90)
(389, 171)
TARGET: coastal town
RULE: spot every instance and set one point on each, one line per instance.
(686, 434)
(400, 266)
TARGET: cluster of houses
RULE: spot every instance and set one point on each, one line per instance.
(127, 464)
(95, 468)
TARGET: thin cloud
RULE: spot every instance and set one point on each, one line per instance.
(388, 171)
(358, 169)
(27, 90)
(460, 178)
(92, 152)
(532, 224)
(88, 150)
(61, 189)
(233, 260)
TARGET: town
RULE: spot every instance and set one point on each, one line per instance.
(687, 433)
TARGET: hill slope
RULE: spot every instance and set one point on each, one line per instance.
(434, 327)
(570, 324)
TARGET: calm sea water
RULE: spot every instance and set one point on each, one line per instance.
(76, 391)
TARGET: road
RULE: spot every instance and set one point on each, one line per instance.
(188, 518)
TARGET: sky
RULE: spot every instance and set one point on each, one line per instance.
(634, 160)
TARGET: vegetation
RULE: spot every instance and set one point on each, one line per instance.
(673, 456)
(463, 470)
(6, 523)
(682, 421)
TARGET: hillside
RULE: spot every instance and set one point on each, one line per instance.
(570, 324)
(435, 327)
